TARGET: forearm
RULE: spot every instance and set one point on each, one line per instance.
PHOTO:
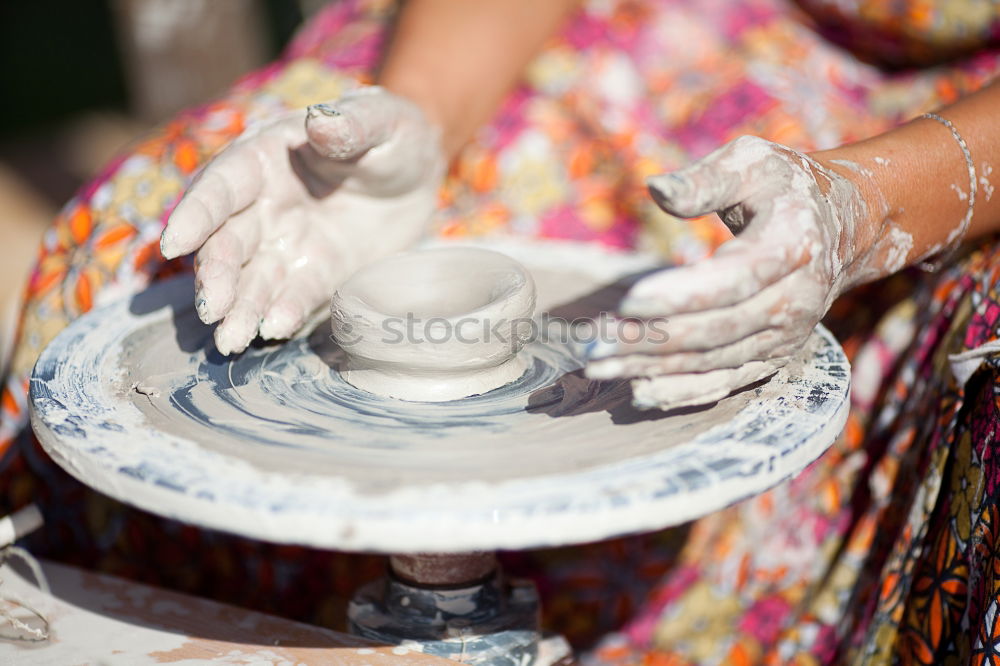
(457, 59)
(915, 181)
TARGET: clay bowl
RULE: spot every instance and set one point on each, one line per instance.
(434, 325)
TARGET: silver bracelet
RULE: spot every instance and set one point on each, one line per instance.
(955, 238)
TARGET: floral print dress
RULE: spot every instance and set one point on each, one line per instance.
(886, 549)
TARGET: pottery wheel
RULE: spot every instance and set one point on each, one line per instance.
(134, 400)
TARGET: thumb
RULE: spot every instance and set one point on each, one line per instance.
(349, 127)
(714, 183)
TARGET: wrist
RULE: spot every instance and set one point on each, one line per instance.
(871, 242)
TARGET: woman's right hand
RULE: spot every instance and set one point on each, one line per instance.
(804, 232)
(291, 208)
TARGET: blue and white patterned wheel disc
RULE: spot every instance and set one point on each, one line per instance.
(133, 400)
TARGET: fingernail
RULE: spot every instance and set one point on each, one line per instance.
(174, 244)
(271, 328)
(206, 312)
(201, 307)
(664, 187)
(331, 133)
(230, 342)
(324, 109)
(222, 345)
(167, 246)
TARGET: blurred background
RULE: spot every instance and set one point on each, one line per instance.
(80, 80)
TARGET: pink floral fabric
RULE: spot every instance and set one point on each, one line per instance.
(883, 550)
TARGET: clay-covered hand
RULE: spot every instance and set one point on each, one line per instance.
(803, 236)
(293, 207)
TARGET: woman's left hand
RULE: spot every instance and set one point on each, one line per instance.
(804, 234)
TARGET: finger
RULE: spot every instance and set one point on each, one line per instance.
(685, 390)
(372, 141)
(719, 180)
(784, 305)
(758, 347)
(349, 127)
(227, 185)
(219, 262)
(240, 325)
(724, 279)
(292, 305)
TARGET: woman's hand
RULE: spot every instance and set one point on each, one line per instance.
(293, 207)
(804, 234)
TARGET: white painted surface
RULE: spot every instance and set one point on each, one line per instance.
(97, 619)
